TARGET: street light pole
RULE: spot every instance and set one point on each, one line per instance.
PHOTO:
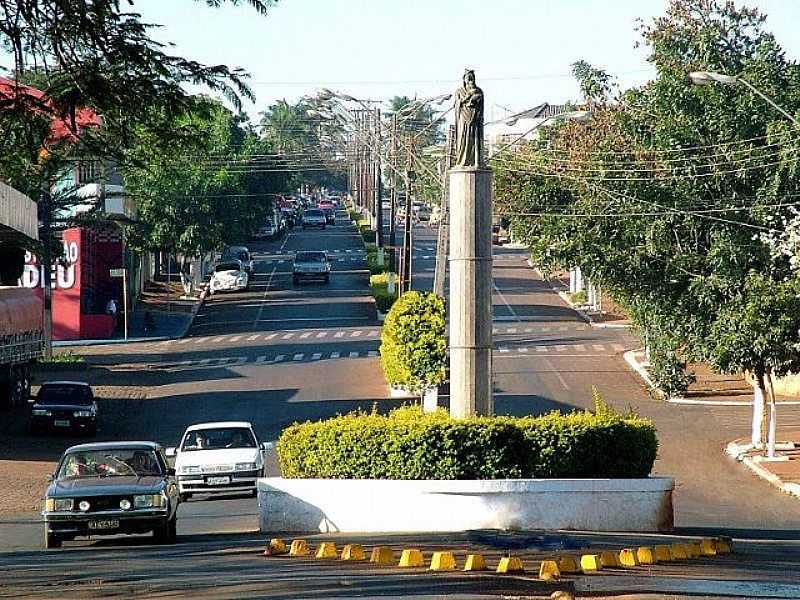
(378, 187)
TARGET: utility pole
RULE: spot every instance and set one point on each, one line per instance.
(393, 197)
(409, 177)
(378, 185)
(45, 204)
(442, 242)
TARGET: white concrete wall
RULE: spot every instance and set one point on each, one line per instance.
(353, 505)
(18, 211)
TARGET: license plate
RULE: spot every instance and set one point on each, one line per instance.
(60, 423)
(104, 524)
(218, 480)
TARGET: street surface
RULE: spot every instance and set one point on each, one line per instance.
(277, 353)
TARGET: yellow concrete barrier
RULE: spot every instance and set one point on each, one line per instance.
(724, 545)
(693, 549)
(443, 561)
(275, 547)
(663, 553)
(548, 570)
(299, 548)
(568, 563)
(646, 555)
(411, 557)
(475, 562)
(627, 558)
(590, 563)
(679, 551)
(327, 550)
(382, 555)
(609, 559)
(353, 552)
(708, 547)
(510, 564)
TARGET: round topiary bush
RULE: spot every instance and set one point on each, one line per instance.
(413, 341)
(410, 444)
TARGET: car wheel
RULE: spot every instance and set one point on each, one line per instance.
(51, 540)
(163, 534)
(173, 529)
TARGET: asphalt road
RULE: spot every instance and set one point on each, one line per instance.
(279, 353)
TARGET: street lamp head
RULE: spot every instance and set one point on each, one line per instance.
(709, 77)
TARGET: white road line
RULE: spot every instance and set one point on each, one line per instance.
(580, 348)
(235, 338)
(185, 341)
(338, 334)
(298, 356)
(618, 347)
(355, 334)
(269, 283)
(253, 337)
(523, 350)
(239, 360)
(288, 336)
(206, 361)
(322, 334)
(560, 348)
(503, 349)
(278, 358)
(598, 347)
(511, 330)
(335, 355)
(305, 335)
(270, 336)
(541, 348)
(557, 373)
(316, 356)
(373, 333)
(372, 353)
(354, 355)
(202, 340)
(495, 330)
(503, 298)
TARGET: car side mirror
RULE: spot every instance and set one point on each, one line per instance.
(171, 452)
(170, 471)
(267, 446)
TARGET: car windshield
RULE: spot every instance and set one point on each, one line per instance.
(217, 439)
(64, 394)
(227, 266)
(310, 257)
(112, 462)
(314, 213)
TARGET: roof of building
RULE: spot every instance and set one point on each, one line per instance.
(543, 111)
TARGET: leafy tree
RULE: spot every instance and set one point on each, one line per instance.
(596, 84)
(664, 196)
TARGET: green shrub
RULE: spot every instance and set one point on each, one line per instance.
(413, 341)
(355, 217)
(579, 298)
(409, 444)
(379, 285)
(367, 233)
(372, 259)
(63, 358)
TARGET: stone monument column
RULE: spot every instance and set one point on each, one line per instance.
(470, 261)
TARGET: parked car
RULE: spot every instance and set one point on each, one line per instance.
(240, 253)
(111, 488)
(499, 235)
(330, 216)
(311, 265)
(221, 457)
(267, 232)
(229, 275)
(64, 406)
(314, 217)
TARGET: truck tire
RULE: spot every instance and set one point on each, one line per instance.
(51, 540)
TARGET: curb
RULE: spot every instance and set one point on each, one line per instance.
(630, 358)
(738, 452)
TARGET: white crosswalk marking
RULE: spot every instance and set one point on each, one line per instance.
(495, 330)
(305, 335)
(354, 355)
(252, 337)
(298, 356)
(355, 334)
(270, 336)
(316, 356)
(541, 348)
(288, 336)
(560, 347)
(580, 348)
(335, 355)
(235, 338)
(511, 330)
(185, 341)
(338, 334)
(373, 333)
(278, 358)
(523, 350)
(322, 334)
(503, 349)
(201, 340)
(598, 347)
(618, 347)
(372, 353)
(206, 361)
(260, 360)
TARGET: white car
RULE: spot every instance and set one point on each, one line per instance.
(217, 458)
(229, 275)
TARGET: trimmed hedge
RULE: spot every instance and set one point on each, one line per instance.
(409, 444)
(379, 285)
(414, 341)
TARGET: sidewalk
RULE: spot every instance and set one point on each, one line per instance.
(173, 316)
(783, 471)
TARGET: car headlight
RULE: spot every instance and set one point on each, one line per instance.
(145, 501)
(83, 413)
(59, 504)
(125, 504)
(190, 469)
(84, 505)
(251, 466)
(40, 412)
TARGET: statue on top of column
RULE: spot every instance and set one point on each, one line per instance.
(469, 123)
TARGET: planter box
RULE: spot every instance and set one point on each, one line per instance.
(363, 505)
